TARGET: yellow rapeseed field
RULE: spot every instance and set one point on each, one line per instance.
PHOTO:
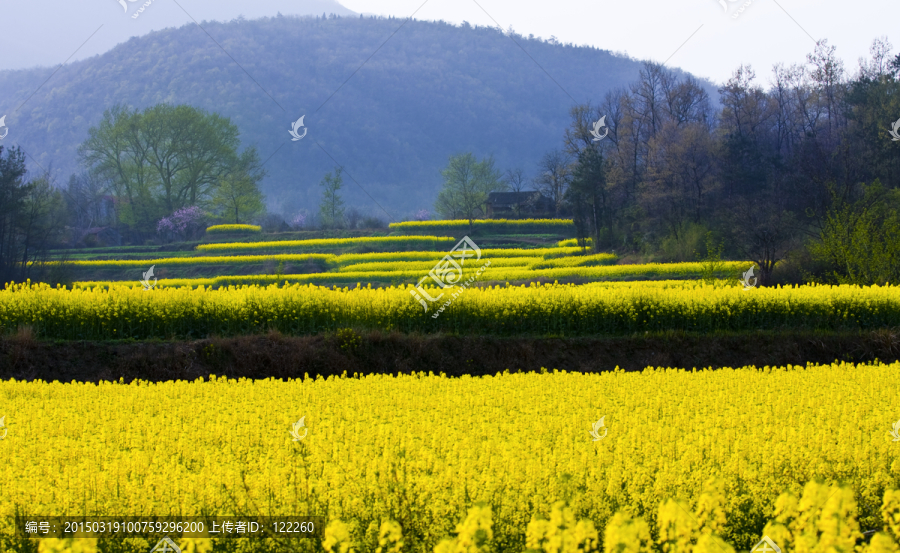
(588, 242)
(332, 243)
(118, 311)
(498, 226)
(224, 229)
(384, 258)
(506, 269)
(486, 253)
(669, 460)
(199, 260)
(421, 268)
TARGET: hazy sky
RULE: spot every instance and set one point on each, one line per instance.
(699, 36)
(766, 32)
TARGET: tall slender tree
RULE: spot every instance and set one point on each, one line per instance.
(331, 208)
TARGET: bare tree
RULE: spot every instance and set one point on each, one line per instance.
(881, 60)
(828, 77)
(515, 179)
(554, 178)
(681, 175)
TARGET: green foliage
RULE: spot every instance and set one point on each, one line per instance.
(573, 242)
(238, 198)
(683, 243)
(169, 157)
(712, 263)
(860, 241)
(332, 207)
(467, 183)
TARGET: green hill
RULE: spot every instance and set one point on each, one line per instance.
(388, 107)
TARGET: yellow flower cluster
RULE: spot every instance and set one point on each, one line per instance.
(489, 253)
(226, 229)
(526, 268)
(333, 243)
(577, 261)
(498, 226)
(691, 461)
(119, 311)
(421, 268)
(574, 242)
(201, 260)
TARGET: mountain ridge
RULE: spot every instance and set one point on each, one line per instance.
(387, 100)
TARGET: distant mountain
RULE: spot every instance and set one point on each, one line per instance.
(389, 105)
(47, 33)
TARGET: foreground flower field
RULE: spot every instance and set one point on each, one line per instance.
(687, 460)
(605, 308)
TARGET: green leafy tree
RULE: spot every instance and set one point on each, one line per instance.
(238, 195)
(164, 159)
(332, 207)
(467, 183)
(859, 240)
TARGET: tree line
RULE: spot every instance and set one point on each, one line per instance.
(804, 173)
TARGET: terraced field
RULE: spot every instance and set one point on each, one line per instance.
(379, 260)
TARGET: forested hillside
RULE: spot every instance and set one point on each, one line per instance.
(431, 90)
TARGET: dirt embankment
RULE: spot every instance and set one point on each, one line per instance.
(273, 355)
